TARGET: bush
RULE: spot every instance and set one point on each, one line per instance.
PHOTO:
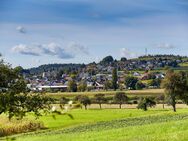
(146, 102)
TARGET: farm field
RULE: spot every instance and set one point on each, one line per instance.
(113, 125)
(147, 92)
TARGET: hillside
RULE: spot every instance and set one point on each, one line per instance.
(142, 63)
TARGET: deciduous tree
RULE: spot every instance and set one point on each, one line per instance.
(100, 98)
(120, 98)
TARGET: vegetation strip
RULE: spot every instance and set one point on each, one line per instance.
(114, 124)
(123, 123)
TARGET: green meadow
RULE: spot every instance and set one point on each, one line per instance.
(112, 125)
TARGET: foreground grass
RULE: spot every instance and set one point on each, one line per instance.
(115, 125)
(95, 115)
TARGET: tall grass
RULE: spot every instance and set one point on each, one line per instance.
(18, 126)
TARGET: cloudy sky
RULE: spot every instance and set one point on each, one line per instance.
(35, 32)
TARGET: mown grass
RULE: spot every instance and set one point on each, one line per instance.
(115, 125)
(95, 115)
(159, 125)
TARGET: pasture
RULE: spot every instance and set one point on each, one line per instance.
(106, 124)
(112, 125)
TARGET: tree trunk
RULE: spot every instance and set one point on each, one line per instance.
(163, 105)
(85, 107)
(120, 106)
(145, 107)
(100, 106)
(174, 107)
(174, 103)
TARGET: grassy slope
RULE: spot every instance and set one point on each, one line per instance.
(91, 116)
(157, 125)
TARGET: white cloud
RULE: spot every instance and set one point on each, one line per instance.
(21, 29)
(77, 48)
(26, 50)
(54, 49)
(127, 53)
(165, 46)
(51, 49)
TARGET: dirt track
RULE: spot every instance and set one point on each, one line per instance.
(132, 106)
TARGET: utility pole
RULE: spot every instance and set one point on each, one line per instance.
(146, 51)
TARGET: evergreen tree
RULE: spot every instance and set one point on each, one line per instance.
(114, 79)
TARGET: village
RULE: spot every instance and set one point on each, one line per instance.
(97, 77)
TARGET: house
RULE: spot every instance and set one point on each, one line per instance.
(136, 74)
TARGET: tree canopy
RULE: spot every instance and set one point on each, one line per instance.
(15, 101)
(107, 60)
(176, 87)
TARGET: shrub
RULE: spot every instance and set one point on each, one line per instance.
(146, 102)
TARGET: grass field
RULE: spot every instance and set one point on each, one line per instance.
(113, 125)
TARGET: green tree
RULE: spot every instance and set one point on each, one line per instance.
(82, 86)
(120, 98)
(139, 85)
(175, 84)
(130, 82)
(107, 60)
(108, 85)
(15, 101)
(72, 86)
(63, 101)
(123, 59)
(83, 99)
(146, 102)
(114, 79)
(99, 98)
(155, 82)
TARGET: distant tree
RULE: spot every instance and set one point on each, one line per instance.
(82, 86)
(114, 79)
(161, 98)
(107, 60)
(130, 82)
(100, 98)
(63, 100)
(139, 85)
(120, 98)
(85, 100)
(108, 85)
(155, 82)
(151, 76)
(72, 86)
(146, 102)
(123, 59)
(175, 84)
(59, 74)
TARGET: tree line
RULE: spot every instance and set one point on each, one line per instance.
(175, 85)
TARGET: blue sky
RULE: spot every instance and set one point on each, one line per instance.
(35, 32)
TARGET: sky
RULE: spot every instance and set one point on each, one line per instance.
(36, 32)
